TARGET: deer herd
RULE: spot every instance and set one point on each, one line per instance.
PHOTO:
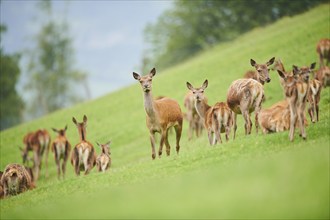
(244, 96)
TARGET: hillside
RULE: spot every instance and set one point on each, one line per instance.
(256, 176)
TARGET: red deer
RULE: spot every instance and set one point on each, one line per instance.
(83, 157)
(161, 115)
(323, 50)
(103, 161)
(323, 75)
(276, 118)
(2, 193)
(296, 90)
(37, 142)
(313, 98)
(195, 122)
(217, 119)
(15, 180)
(61, 148)
(245, 96)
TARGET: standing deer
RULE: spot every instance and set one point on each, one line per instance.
(61, 148)
(161, 115)
(83, 157)
(313, 98)
(195, 122)
(296, 90)
(217, 119)
(245, 95)
(103, 161)
(323, 75)
(323, 50)
(37, 142)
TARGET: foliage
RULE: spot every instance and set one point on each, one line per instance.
(53, 81)
(256, 176)
(11, 103)
(191, 26)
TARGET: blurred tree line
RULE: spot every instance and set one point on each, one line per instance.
(191, 26)
(11, 104)
(51, 81)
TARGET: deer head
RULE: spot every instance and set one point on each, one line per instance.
(105, 147)
(263, 70)
(304, 72)
(146, 80)
(198, 92)
(81, 127)
(60, 132)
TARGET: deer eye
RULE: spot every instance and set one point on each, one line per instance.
(194, 92)
(202, 91)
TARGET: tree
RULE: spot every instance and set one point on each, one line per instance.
(192, 26)
(12, 105)
(53, 81)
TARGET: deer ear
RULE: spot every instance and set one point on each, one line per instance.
(205, 84)
(313, 65)
(253, 63)
(85, 119)
(270, 62)
(136, 76)
(108, 143)
(66, 127)
(98, 144)
(153, 72)
(281, 73)
(74, 120)
(54, 130)
(189, 86)
(295, 69)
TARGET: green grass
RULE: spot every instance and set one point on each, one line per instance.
(255, 176)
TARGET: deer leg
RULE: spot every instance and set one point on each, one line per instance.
(247, 122)
(36, 162)
(209, 134)
(190, 130)
(293, 119)
(152, 141)
(162, 140)
(178, 131)
(57, 161)
(234, 123)
(167, 144)
(302, 124)
(227, 133)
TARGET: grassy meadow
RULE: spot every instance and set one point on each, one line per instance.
(256, 176)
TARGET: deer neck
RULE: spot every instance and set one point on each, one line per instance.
(201, 108)
(149, 105)
(82, 134)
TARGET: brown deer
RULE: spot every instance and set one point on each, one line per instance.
(296, 91)
(323, 50)
(83, 157)
(161, 115)
(195, 122)
(61, 148)
(276, 118)
(323, 75)
(245, 96)
(103, 161)
(37, 142)
(251, 74)
(217, 119)
(15, 180)
(313, 98)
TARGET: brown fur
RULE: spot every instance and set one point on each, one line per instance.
(276, 118)
(103, 161)
(161, 115)
(323, 50)
(2, 193)
(251, 74)
(195, 122)
(313, 98)
(217, 119)
(61, 148)
(83, 157)
(15, 180)
(37, 142)
(245, 96)
(323, 75)
(296, 90)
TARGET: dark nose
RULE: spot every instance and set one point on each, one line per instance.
(268, 80)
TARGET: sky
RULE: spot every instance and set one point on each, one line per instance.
(107, 36)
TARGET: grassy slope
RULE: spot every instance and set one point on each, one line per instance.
(255, 176)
